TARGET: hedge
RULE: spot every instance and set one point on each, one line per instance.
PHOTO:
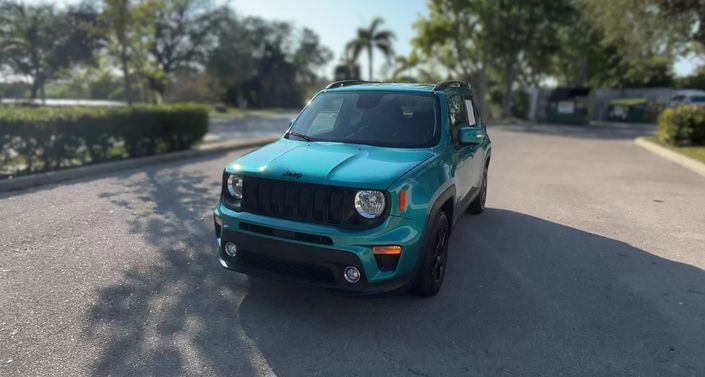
(41, 139)
(684, 125)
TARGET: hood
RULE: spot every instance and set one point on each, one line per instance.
(349, 165)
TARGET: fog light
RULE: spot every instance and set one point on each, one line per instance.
(352, 274)
(230, 249)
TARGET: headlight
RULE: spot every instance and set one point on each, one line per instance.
(235, 187)
(369, 204)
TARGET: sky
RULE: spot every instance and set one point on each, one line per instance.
(336, 22)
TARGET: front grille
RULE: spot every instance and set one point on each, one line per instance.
(298, 236)
(284, 267)
(304, 202)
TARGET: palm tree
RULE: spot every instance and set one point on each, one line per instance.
(402, 66)
(369, 39)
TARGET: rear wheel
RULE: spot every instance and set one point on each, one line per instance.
(433, 265)
(478, 204)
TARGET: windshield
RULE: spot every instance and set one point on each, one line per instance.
(387, 119)
(697, 99)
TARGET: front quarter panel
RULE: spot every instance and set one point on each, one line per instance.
(423, 186)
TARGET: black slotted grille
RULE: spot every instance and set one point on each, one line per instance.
(304, 202)
(292, 269)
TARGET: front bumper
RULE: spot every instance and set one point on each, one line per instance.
(319, 259)
(301, 264)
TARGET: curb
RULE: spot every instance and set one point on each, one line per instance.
(684, 161)
(32, 180)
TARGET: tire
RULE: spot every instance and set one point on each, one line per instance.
(429, 278)
(478, 204)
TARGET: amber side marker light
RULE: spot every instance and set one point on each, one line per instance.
(218, 220)
(402, 201)
(386, 250)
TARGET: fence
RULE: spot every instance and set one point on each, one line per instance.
(599, 100)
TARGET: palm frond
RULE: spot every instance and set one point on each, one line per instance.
(375, 24)
(386, 48)
(385, 35)
(354, 48)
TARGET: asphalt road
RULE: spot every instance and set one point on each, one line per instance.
(588, 262)
(252, 124)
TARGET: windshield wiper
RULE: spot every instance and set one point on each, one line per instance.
(299, 135)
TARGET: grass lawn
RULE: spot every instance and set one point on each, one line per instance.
(697, 152)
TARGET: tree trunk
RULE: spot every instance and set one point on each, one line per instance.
(482, 82)
(157, 88)
(369, 61)
(43, 93)
(159, 96)
(126, 76)
(121, 26)
(509, 76)
(580, 72)
(34, 89)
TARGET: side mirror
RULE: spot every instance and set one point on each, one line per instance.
(470, 135)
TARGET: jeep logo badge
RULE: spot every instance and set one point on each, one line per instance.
(292, 174)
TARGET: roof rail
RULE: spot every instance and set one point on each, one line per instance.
(339, 84)
(449, 84)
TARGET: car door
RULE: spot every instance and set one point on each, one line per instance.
(477, 151)
(463, 155)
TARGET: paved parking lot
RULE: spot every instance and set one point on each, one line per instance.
(249, 125)
(590, 261)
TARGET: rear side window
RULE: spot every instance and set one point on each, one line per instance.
(457, 116)
(471, 111)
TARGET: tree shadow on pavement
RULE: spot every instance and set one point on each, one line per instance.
(523, 296)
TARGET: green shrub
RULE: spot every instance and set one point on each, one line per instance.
(684, 125)
(40, 139)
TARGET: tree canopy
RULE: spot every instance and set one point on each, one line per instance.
(149, 50)
(40, 42)
(502, 45)
(152, 46)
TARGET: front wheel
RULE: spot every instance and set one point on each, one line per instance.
(433, 265)
(478, 204)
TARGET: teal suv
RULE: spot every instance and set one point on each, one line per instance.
(361, 193)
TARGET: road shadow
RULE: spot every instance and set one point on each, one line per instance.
(121, 174)
(604, 130)
(523, 296)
